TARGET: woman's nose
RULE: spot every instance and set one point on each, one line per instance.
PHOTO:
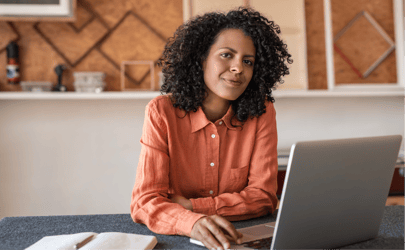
(236, 67)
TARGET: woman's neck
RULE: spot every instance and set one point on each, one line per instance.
(215, 108)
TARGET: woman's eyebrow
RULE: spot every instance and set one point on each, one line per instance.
(234, 51)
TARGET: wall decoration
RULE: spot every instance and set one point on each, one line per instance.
(364, 41)
(125, 74)
(104, 34)
(363, 38)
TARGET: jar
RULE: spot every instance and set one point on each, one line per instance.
(92, 82)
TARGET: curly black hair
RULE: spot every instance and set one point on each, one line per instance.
(185, 52)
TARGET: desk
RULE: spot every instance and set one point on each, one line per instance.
(21, 232)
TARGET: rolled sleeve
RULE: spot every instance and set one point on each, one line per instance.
(204, 205)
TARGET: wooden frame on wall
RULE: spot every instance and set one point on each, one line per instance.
(151, 71)
(399, 52)
(64, 10)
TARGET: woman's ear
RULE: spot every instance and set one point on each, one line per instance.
(203, 64)
(203, 60)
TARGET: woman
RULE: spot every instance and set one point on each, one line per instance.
(209, 147)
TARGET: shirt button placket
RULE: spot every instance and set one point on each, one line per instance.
(214, 145)
(212, 164)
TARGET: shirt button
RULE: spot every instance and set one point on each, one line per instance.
(220, 123)
(211, 192)
(213, 136)
(212, 164)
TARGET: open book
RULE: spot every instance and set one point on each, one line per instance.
(97, 241)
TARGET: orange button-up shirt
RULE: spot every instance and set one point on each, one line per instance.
(224, 170)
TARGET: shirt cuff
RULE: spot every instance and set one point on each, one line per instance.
(204, 205)
(185, 225)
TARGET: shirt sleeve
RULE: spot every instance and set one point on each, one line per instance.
(259, 196)
(150, 204)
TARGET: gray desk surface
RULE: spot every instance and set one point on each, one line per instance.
(21, 232)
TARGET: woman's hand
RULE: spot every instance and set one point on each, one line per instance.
(186, 203)
(215, 232)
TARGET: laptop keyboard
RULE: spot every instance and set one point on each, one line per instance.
(264, 243)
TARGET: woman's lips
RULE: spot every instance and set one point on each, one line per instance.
(232, 82)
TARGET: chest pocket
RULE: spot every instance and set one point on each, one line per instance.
(239, 178)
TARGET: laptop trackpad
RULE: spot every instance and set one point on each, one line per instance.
(257, 232)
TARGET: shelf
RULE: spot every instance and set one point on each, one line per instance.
(135, 95)
(337, 93)
(148, 95)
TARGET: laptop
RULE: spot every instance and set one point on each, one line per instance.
(334, 195)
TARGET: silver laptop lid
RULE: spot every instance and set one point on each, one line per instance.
(335, 191)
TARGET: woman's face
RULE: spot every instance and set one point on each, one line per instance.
(228, 68)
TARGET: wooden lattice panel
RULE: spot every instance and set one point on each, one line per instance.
(104, 34)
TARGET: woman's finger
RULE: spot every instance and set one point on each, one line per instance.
(207, 238)
(217, 232)
(228, 228)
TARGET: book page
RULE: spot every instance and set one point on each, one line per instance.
(116, 240)
(65, 242)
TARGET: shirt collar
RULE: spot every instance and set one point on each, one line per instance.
(199, 120)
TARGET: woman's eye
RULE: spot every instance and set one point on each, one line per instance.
(226, 55)
(248, 62)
